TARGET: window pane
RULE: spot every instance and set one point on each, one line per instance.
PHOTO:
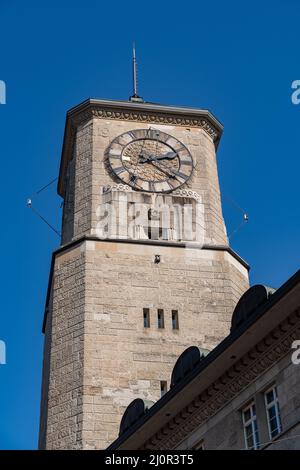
(160, 318)
(175, 323)
(249, 437)
(146, 317)
(250, 442)
(249, 430)
(272, 413)
(257, 439)
(250, 427)
(247, 415)
(274, 432)
(273, 423)
(279, 418)
(256, 436)
(274, 428)
(270, 396)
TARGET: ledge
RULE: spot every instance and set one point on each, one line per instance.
(80, 240)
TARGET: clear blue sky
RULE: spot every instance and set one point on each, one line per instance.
(235, 58)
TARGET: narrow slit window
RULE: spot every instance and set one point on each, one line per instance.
(146, 316)
(160, 318)
(163, 388)
(175, 321)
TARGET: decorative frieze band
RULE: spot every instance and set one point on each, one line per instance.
(179, 192)
(116, 187)
(147, 117)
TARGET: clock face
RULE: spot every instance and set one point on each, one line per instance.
(150, 160)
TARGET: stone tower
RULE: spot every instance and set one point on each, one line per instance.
(132, 285)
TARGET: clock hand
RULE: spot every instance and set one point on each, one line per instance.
(166, 170)
(158, 164)
(168, 156)
(149, 158)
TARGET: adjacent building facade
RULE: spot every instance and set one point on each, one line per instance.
(242, 395)
(144, 269)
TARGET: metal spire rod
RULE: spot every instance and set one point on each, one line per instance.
(134, 72)
(135, 97)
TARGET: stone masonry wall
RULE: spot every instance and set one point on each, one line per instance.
(77, 213)
(64, 374)
(91, 173)
(122, 359)
(99, 355)
(102, 357)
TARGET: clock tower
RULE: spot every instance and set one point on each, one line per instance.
(144, 269)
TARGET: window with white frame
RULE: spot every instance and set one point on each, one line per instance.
(273, 412)
(250, 427)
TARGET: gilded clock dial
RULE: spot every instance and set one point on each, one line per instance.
(150, 160)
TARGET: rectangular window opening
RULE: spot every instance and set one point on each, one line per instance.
(175, 321)
(146, 316)
(163, 388)
(160, 318)
(250, 427)
(273, 412)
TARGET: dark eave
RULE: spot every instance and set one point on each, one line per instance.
(144, 106)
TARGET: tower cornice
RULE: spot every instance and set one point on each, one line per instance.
(134, 112)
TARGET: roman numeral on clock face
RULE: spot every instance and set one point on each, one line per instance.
(133, 179)
(151, 186)
(119, 170)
